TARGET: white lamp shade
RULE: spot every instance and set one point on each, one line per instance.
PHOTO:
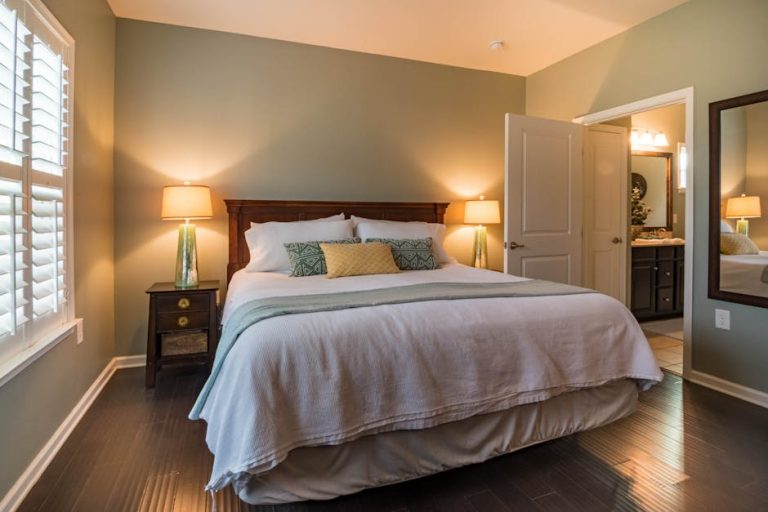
(186, 202)
(481, 212)
(744, 207)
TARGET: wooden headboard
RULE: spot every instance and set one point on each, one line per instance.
(244, 211)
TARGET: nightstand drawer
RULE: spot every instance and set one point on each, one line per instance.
(182, 321)
(182, 302)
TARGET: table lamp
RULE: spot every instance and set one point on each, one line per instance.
(743, 208)
(186, 202)
(481, 212)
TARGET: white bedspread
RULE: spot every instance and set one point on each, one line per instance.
(326, 378)
(743, 273)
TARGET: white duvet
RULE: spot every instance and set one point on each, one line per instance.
(329, 377)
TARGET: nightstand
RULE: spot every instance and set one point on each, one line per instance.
(183, 326)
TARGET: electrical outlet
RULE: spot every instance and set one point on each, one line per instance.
(674, 218)
(79, 330)
(723, 319)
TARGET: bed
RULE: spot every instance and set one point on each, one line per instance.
(327, 403)
(745, 273)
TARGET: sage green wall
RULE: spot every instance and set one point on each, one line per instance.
(37, 400)
(719, 48)
(264, 119)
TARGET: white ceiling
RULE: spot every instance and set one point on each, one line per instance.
(536, 33)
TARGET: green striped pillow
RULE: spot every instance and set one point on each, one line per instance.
(307, 258)
(411, 253)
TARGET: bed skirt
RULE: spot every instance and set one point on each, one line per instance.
(326, 472)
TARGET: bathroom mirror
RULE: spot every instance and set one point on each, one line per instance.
(738, 199)
(652, 175)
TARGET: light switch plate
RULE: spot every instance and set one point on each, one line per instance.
(79, 330)
(723, 319)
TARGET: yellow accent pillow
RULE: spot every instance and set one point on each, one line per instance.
(736, 243)
(358, 259)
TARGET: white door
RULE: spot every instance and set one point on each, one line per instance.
(543, 207)
(606, 204)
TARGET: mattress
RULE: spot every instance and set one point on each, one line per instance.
(745, 273)
(338, 377)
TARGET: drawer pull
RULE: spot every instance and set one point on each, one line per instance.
(183, 303)
(667, 274)
(182, 321)
(667, 299)
(655, 268)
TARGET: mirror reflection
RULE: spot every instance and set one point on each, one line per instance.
(744, 199)
(652, 187)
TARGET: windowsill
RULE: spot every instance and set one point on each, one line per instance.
(17, 363)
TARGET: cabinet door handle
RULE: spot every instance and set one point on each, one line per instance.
(667, 273)
(183, 303)
(667, 299)
(655, 268)
(182, 321)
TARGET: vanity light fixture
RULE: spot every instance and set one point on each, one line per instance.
(647, 138)
(186, 202)
(743, 208)
(481, 212)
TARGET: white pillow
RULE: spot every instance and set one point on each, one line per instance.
(391, 229)
(265, 241)
(725, 227)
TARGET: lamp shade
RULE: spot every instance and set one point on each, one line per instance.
(186, 202)
(481, 212)
(744, 207)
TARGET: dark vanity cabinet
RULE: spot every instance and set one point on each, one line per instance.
(657, 281)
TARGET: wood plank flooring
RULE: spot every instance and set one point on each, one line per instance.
(686, 448)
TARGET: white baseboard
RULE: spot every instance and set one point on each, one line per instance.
(12, 500)
(130, 361)
(729, 388)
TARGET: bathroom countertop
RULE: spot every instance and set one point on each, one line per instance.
(662, 242)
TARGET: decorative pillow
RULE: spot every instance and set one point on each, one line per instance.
(735, 243)
(725, 227)
(307, 258)
(405, 230)
(358, 259)
(411, 253)
(265, 241)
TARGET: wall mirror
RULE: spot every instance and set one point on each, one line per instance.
(738, 199)
(652, 176)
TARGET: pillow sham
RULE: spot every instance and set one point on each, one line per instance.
(725, 227)
(405, 230)
(265, 241)
(358, 259)
(733, 244)
(307, 258)
(411, 253)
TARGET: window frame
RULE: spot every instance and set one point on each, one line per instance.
(41, 341)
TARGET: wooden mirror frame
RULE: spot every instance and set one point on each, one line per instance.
(668, 156)
(715, 200)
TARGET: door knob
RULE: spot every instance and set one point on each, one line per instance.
(514, 245)
(616, 240)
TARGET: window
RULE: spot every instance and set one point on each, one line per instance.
(682, 166)
(36, 55)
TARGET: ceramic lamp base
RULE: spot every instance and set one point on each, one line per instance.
(742, 226)
(481, 247)
(186, 257)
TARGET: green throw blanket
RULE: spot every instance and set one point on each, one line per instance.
(257, 310)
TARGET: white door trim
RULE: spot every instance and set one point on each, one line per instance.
(684, 96)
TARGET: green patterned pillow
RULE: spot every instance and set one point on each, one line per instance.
(411, 253)
(307, 258)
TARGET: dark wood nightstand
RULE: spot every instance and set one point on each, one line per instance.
(183, 326)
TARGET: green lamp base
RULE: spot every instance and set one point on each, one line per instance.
(742, 226)
(186, 258)
(481, 247)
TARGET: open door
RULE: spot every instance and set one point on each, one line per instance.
(543, 199)
(606, 207)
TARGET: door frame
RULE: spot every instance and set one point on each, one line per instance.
(684, 96)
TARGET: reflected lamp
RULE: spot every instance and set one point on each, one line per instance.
(481, 212)
(186, 202)
(743, 207)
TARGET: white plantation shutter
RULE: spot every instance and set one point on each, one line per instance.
(35, 61)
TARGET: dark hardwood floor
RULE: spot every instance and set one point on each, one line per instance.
(686, 448)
